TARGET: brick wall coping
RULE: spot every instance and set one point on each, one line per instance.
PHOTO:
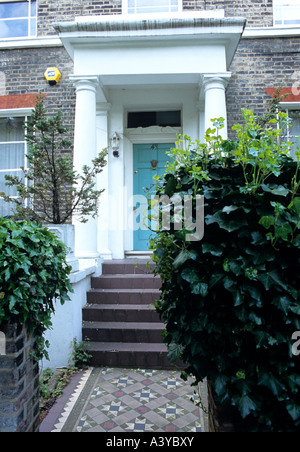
(271, 32)
(27, 43)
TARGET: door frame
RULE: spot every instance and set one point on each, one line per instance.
(141, 135)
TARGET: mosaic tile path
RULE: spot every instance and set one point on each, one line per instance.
(126, 400)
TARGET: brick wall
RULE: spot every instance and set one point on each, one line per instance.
(260, 63)
(259, 13)
(19, 382)
(23, 73)
(50, 11)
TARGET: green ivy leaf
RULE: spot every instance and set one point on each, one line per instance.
(212, 249)
(270, 278)
(277, 190)
(184, 256)
(283, 303)
(174, 352)
(224, 223)
(296, 205)
(269, 381)
(220, 384)
(246, 405)
(267, 222)
(293, 410)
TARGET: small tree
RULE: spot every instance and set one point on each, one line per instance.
(51, 191)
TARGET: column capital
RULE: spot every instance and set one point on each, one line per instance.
(85, 82)
(214, 81)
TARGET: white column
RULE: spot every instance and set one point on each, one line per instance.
(103, 183)
(214, 87)
(85, 150)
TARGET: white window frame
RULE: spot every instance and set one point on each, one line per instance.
(125, 9)
(287, 107)
(286, 5)
(17, 113)
(28, 18)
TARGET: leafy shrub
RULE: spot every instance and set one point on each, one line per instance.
(79, 354)
(50, 191)
(231, 301)
(33, 274)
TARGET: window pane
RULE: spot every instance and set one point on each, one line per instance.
(154, 118)
(15, 9)
(6, 208)
(10, 191)
(292, 133)
(150, 6)
(33, 9)
(11, 155)
(14, 28)
(33, 29)
(15, 21)
(11, 129)
(287, 12)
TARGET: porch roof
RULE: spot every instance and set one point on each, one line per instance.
(189, 29)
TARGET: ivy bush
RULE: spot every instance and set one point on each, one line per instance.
(33, 275)
(230, 302)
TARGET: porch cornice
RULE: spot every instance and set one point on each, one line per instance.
(108, 25)
(109, 32)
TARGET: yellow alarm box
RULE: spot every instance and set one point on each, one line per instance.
(52, 75)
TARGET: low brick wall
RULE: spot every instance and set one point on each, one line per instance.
(19, 382)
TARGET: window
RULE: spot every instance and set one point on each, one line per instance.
(293, 132)
(286, 12)
(18, 19)
(151, 6)
(154, 118)
(12, 156)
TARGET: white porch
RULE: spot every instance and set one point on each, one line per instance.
(124, 65)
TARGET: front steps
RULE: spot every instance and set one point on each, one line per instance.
(120, 321)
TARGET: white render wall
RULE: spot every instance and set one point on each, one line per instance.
(67, 322)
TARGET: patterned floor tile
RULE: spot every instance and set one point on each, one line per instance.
(133, 400)
(139, 425)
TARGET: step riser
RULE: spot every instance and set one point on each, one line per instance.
(128, 336)
(119, 315)
(127, 268)
(123, 335)
(134, 360)
(126, 282)
(144, 298)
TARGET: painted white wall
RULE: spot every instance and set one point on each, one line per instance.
(67, 322)
(129, 60)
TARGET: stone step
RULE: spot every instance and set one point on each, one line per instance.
(120, 313)
(129, 266)
(123, 296)
(123, 332)
(126, 281)
(129, 355)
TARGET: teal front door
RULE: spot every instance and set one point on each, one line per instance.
(148, 160)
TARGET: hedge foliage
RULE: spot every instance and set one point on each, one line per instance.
(230, 302)
(33, 275)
